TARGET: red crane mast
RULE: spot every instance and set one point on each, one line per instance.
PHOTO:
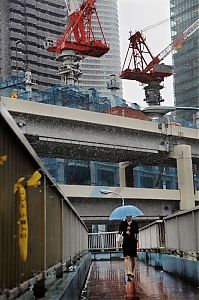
(138, 67)
(142, 66)
(79, 34)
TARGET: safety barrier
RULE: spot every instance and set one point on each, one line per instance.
(102, 241)
(176, 251)
(40, 232)
(182, 231)
(152, 236)
(177, 232)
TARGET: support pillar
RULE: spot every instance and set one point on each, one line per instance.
(126, 174)
(182, 153)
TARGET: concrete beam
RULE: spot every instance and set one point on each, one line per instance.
(56, 131)
(93, 206)
(87, 191)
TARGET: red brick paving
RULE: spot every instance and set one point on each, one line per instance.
(107, 280)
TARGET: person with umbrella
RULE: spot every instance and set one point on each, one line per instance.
(129, 231)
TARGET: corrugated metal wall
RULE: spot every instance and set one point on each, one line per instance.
(182, 231)
(56, 233)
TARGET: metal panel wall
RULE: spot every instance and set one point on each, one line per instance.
(152, 236)
(182, 231)
(171, 239)
(18, 164)
(67, 252)
(54, 227)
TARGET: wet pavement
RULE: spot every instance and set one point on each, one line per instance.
(107, 280)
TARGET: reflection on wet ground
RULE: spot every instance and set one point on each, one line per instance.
(107, 280)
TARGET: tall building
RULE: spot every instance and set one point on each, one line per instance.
(25, 24)
(97, 71)
(186, 65)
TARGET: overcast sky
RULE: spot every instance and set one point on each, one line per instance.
(137, 15)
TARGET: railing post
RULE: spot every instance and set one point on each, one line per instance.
(178, 233)
(102, 241)
(59, 270)
(39, 286)
(195, 235)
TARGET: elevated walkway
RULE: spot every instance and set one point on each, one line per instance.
(107, 280)
(79, 134)
(58, 237)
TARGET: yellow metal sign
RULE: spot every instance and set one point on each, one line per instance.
(20, 188)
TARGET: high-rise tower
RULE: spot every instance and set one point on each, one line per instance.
(24, 26)
(185, 59)
(97, 71)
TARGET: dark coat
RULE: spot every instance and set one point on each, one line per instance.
(133, 228)
(130, 240)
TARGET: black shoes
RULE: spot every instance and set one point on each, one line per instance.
(130, 277)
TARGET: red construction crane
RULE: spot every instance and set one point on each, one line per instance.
(138, 67)
(145, 68)
(79, 34)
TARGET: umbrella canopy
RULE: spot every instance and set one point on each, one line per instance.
(122, 212)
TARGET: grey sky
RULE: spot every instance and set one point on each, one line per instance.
(137, 15)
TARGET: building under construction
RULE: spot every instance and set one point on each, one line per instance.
(22, 50)
(25, 25)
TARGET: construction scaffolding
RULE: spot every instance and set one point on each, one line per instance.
(60, 94)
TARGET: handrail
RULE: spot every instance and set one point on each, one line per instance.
(176, 233)
(103, 241)
(182, 231)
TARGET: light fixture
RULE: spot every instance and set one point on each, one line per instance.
(106, 192)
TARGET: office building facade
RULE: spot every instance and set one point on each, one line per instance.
(97, 71)
(25, 24)
(186, 64)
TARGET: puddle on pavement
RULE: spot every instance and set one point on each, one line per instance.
(106, 280)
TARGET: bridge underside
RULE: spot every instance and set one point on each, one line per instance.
(63, 132)
(67, 133)
(60, 148)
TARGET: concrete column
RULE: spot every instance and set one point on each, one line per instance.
(93, 173)
(182, 153)
(126, 174)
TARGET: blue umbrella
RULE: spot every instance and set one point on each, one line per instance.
(122, 212)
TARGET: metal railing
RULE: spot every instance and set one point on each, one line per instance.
(102, 241)
(176, 233)
(152, 236)
(182, 231)
(56, 235)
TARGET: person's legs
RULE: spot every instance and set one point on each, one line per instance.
(129, 264)
(133, 265)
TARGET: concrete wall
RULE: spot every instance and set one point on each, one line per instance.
(90, 203)
(76, 280)
(102, 208)
(181, 267)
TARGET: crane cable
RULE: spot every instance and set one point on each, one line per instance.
(71, 5)
(155, 25)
